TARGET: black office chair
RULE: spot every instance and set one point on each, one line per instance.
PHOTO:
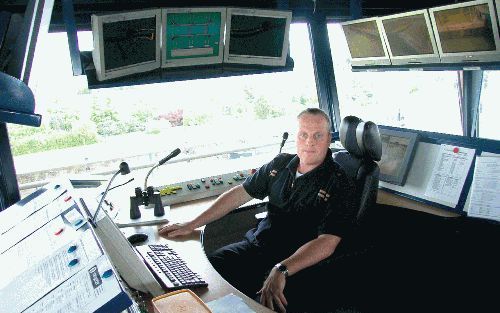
(363, 147)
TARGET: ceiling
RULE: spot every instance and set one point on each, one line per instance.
(337, 9)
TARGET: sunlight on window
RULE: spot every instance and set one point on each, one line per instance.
(489, 110)
(417, 100)
(87, 131)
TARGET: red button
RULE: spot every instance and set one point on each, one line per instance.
(67, 199)
(59, 231)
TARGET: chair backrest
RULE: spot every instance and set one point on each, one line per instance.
(363, 147)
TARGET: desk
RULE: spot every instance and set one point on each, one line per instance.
(191, 250)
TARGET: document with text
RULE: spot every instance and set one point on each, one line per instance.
(485, 190)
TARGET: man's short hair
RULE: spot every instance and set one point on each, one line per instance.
(316, 111)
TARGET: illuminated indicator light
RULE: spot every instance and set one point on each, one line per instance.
(72, 249)
(107, 274)
(455, 150)
(67, 198)
(73, 262)
(59, 231)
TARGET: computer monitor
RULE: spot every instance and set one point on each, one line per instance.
(409, 38)
(255, 36)
(192, 36)
(466, 32)
(126, 43)
(365, 42)
(398, 148)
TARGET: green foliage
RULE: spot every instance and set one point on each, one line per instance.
(43, 139)
(195, 120)
(106, 120)
(62, 120)
(261, 107)
(305, 102)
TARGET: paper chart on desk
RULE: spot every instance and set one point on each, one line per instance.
(47, 274)
(485, 190)
(86, 291)
(449, 174)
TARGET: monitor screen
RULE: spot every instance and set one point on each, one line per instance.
(257, 36)
(467, 31)
(126, 43)
(398, 148)
(192, 36)
(365, 42)
(409, 38)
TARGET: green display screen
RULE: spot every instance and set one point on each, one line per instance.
(129, 42)
(192, 35)
(257, 35)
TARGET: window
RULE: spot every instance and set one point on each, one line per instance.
(89, 131)
(418, 100)
(489, 110)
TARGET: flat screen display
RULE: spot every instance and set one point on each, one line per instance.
(364, 40)
(192, 36)
(129, 42)
(398, 148)
(257, 35)
(408, 35)
(465, 29)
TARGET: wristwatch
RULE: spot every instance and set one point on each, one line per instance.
(282, 268)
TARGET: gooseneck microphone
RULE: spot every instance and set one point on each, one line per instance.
(124, 170)
(285, 137)
(172, 155)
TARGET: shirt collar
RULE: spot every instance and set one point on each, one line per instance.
(294, 164)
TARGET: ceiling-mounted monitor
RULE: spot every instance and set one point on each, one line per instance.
(409, 38)
(365, 42)
(255, 36)
(126, 43)
(466, 32)
(192, 36)
(497, 5)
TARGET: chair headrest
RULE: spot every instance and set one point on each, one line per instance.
(360, 139)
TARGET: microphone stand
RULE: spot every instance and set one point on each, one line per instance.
(124, 169)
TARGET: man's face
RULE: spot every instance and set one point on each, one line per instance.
(313, 140)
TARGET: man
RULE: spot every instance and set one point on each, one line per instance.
(310, 210)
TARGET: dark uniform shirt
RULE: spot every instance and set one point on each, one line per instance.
(300, 209)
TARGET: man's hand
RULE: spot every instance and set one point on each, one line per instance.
(272, 291)
(177, 229)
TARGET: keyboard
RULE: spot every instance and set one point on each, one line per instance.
(169, 268)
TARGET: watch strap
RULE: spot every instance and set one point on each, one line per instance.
(282, 268)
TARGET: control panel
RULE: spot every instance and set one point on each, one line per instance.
(202, 187)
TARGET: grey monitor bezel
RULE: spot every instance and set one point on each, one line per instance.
(412, 58)
(195, 60)
(468, 57)
(385, 60)
(400, 177)
(259, 60)
(98, 52)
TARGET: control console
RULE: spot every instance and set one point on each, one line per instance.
(202, 187)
